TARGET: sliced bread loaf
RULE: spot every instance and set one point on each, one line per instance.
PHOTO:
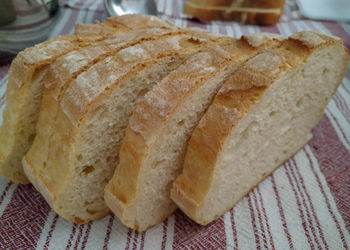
(26, 80)
(260, 117)
(152, 152)
(245, 11)
(83, 141)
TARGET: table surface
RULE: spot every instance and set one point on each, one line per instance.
(305, 204)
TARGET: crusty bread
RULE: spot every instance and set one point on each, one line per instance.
(152, 152)
(82, 143)
(70, 66)
(260, 117)
(26, 79)
(264, 12)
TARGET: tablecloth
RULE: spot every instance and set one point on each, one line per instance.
(305, 204)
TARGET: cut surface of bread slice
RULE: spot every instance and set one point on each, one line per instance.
(72, 169)
(266, 111)
(252, 12)
(25, 85)
(152, 152)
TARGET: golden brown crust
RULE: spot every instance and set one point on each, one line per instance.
(86, 33)
(78, 96)
(237, 96)
(251, 12)
(31, 58)
(78, 61)
(118, 25)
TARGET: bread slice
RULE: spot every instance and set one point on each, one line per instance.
(153, 149)
(260, 117)
(25, 85)
(83, 141)
(265, 12)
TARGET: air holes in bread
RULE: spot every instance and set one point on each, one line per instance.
(301, 101)
(157, 163)
(31, 137)
(109, 159)
(143, 92)
(87, 170)
(298, 104)
(79, 157)
(180, 123)
(86, 203)
(90, 211)
(251, 128)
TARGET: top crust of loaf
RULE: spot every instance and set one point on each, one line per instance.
(57, 76)
(93, 32)
(312, 39)
(81, 58)
(119, 24)
(94, 82)
(239, 93)
(26, 61)
(48, 51)
(259, 39)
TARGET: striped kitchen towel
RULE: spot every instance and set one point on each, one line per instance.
(305, 204)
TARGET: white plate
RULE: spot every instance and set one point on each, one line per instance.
(337, 10)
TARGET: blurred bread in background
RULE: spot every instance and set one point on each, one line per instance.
(262, 12)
